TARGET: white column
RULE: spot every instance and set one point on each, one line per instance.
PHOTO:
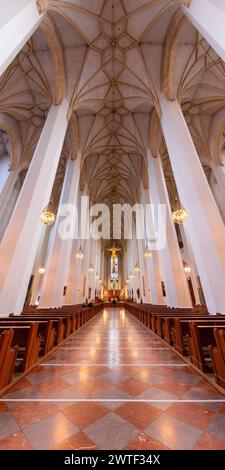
(170, 257)
(58, 262)
(83, 285)
(19, 19)
(20, 242)
(208, 17)
(40, 262)
(144, 272)
(204, 224)
(152, 264)
(73, 276)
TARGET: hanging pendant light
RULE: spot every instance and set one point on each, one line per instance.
(47, 216)
(179, 214)
(147, 253)
(79, 253)
(91, 268)
(136, 268)
(131, 276)
(41, 270)
(187, 269)
(96, 276)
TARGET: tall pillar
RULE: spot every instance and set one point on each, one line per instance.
(152, 264)
(20, 242)
(170, 257)
(189, 258)
(143, 272)
(40, 262)
(57, 268)
(208, 17)
(204, 225)
(19, 19)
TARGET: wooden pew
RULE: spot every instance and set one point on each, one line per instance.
(217, 354)
(8, 356)
(46, 330)
(200, 339)
(181, 329)
(28, 342)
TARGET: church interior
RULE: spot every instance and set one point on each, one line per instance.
(112, 236)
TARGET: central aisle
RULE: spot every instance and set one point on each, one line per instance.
(113, 385)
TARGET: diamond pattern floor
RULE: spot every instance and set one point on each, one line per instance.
(113, 385)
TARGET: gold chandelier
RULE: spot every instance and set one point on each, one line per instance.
(179, 215)
(136, 268)
(91, 268)
(147, 253)
(47, 216)
(41, 270)
(79, 253)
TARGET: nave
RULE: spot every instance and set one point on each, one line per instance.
(113, 385)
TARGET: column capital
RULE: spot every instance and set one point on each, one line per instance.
(42, 6)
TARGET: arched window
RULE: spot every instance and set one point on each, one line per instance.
(5, 158)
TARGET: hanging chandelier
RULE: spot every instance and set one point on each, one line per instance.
(131, 276)
(91, 268)
(179, 215)
(41, 270)
(47, 216)
(147, 253)
(136, 268)
(79, 253)
(187, 269)
(96, 276)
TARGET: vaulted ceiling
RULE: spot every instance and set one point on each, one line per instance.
(114, 55)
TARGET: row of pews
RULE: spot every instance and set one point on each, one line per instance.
(191, 332)
(27, 338)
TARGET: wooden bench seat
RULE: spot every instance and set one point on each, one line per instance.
(8, 356)
(181, 329)
(47, 329)
(28, 342)
(218, 357)
(199, 340)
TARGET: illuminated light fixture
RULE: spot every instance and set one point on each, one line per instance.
(47, 216)
(187, 269)
(131, 276)
(91, 268)
(80, 253)
(41, 270)
(128, 280)
(100, 280)
(136, 268)
(96, 276)
(148, 253)
(179, 214)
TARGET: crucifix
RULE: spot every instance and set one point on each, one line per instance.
(113, 250)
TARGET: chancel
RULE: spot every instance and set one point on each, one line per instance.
(112, 236)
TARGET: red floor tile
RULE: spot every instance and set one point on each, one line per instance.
(191, 413)
(31, 413)
(139, 414)
(77, 442)
(15, 442)
(133, 387)
(52, 386)
(83, 414)
(145, 442)
(207, 442)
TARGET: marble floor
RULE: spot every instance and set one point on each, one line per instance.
(113, 385)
